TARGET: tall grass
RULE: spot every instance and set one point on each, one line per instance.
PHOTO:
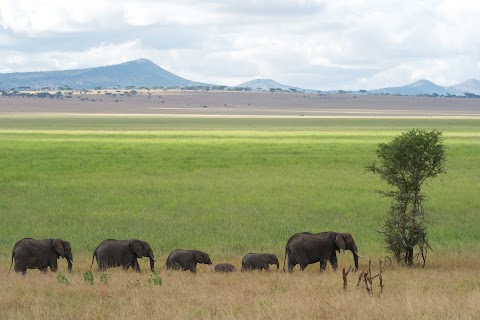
(444, 290)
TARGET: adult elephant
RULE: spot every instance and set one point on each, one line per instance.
(306, 248)
(30, 253)
(259, 261)
(122, 253)
(180, 259)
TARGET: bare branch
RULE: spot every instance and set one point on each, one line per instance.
(344, 275)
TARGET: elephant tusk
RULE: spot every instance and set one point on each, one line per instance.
(359, 255)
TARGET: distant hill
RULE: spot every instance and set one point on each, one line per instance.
(419, 87)
(427, 87)
(266, 85)
(470, 86)
(141, 72)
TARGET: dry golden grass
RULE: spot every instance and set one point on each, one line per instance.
(448, 288)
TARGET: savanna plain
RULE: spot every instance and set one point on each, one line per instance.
(229, 186)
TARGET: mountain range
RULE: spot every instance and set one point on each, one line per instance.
(427, 87)
(143, 72)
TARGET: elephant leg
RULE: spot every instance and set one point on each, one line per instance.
(290, 267)
(291, 264)
(44, 269)
(102, 266)
(193, 269)
(53, 265)
(23, 271)
(135, 266)
(334, 261)
(323, 264)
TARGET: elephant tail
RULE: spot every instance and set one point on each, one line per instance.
(93, 258)
(166, 265)
(284, 258)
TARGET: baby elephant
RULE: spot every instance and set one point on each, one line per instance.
(31, 253)
(225, 267)
(259, 261)
(187, 260)
(122, 253)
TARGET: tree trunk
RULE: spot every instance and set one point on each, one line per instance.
(409, 256)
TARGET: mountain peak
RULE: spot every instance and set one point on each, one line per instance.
(471, 81)
(141, 61)
(422, 82)
(266, 80)
(264, 84)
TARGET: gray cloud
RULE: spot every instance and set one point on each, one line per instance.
(153, 36)
(283, 8)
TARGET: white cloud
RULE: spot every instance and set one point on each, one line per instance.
(347, 44)
(40, 16)
(142, 13)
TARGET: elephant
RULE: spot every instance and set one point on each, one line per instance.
(306, 248)
(122, 253)
(180, 259)
(225, 267)
(259, 261)
(30, 253)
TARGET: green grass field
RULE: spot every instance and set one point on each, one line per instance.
(224, 186)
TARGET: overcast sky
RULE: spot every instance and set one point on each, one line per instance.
(332, 44)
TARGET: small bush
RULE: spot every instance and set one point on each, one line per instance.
(104, 278)
(62, 279)
(88, 278)
(133, 284)
(154, 279)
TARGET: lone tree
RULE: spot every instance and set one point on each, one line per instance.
(405, 163)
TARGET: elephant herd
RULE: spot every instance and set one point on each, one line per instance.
(302, 248)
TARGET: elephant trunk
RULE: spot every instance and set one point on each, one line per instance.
(152, 261)
(355, 255)
(355, 260)
(69, 258)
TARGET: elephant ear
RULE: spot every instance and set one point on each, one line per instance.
(59, 247)
(198, 256)
(201, 257)
(136, 247)
(340, 242)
